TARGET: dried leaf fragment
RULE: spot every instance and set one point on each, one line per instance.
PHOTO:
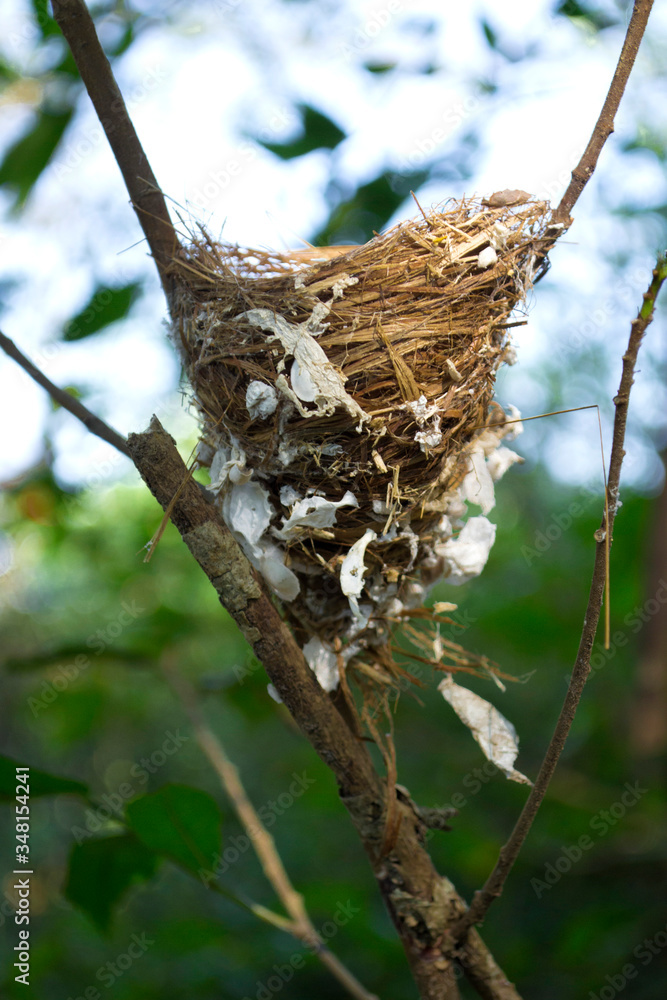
(496, 736)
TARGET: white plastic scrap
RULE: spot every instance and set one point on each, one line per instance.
(496, 736)
(261, 400)
(228, 464)
(271, 565)
(302, 383)
(514, 429)
(352, 570)
(498, 235)
(288, 496)
(314, 512)
(429, 439)
(315, 375)
(247, 511)
(468, 553)
(477, 487)
(487, 258)
(323, 662)
(500, 460)
(423, 411)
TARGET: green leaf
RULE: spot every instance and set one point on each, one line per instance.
(585, 15)
(28, 157)
(318, 132)
(39, 782)
(123, 43)
(369, 208)
(101, 872)
(489, 34)
(46, 24)
(180, 822)
(107, 305)
(380, 67)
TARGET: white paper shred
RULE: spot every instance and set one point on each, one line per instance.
(496, 736)
(352, 570)
(514, 428)
(229, 465)
(289, 496)
(315, 373)
(274, 694)
(280, 578)
(314, 512)
(422, 411)
(500, 460)
(261, 400)
(467, 554)
(429, 439)
(477, 487)
(487, 258)
(323, 662)
(247, 511)
(302, 383)
(498, 235)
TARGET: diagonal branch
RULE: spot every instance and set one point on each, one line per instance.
(94, 424)
(604, 126)
(422, 904)
(77, 26)
(582, 666)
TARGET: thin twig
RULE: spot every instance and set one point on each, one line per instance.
(301, 925)
(582, 666)
(77, 409)
(604, 126)
(77, 26)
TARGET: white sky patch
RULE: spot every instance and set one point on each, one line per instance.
(78, 227)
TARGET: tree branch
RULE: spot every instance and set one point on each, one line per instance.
(604, 126)
(301, 926)
(77, 26)
(422, 904)
(582, 666)
(88, 419)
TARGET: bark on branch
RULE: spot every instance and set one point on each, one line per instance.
(423, 905)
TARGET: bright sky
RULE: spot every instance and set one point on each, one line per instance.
(206, 76)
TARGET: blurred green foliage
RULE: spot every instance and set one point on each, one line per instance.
(111, 723)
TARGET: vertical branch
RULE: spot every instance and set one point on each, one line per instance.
(582, 666)
(604, 126)
(77, 26)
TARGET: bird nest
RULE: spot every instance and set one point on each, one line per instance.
(345, 396)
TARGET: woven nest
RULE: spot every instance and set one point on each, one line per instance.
(344, 393)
